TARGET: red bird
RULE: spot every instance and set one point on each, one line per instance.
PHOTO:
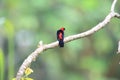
(60, 36)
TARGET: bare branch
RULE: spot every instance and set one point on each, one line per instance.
(118, 47)
(93, 30)
(42, 47)
(117, 15)
(113, 5)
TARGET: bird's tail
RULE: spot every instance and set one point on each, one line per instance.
(61, 43)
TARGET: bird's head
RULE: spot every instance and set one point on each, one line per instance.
(62, 28)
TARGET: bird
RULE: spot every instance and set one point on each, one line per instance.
(60, 36)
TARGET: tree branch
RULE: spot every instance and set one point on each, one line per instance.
(118, 47)
(113, 5)
(42, 47)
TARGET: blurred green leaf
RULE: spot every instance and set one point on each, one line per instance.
(9, 28)
(2, 65)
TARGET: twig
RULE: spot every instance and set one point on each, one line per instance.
(118, 47)
(42, 47)
(113, 5)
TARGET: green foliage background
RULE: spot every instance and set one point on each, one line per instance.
(23, 23)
